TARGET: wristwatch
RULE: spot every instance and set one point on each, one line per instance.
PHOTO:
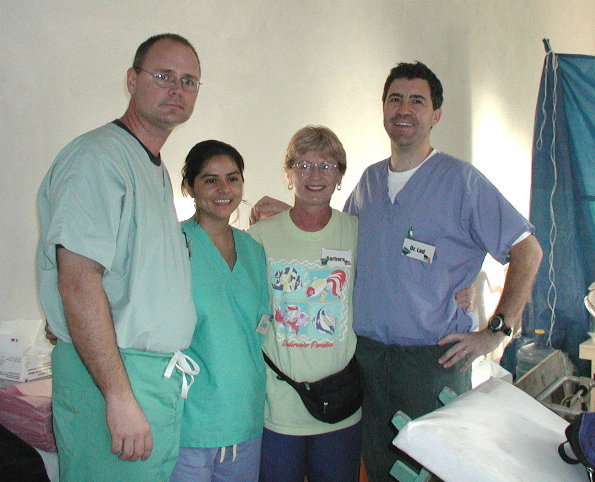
(497, 324)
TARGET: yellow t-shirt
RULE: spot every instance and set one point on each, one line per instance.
(310, 277)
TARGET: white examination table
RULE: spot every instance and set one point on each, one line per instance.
(495, 432)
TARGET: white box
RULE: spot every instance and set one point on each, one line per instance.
(25, 354)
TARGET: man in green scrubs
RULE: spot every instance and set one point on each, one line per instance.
(114, 279)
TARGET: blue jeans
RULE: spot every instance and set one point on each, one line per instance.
(218, 464)
(332, 456)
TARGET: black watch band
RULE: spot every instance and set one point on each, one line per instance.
(496, 325)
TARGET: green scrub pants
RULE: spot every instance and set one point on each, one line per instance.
(80, 427)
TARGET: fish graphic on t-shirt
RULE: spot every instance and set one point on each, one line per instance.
(287, 280)
(333, 284)
(294, 317)
(325, 322)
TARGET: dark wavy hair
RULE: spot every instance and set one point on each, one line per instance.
(415, 71)
(203, 152)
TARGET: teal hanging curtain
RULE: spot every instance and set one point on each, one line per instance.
(563, 202)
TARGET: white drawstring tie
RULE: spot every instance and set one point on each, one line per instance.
(234, 453)
(187, 366)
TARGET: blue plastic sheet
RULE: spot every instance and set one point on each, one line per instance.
(563, 201)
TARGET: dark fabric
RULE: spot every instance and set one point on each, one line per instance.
(564, 130)
(406, 378)
(19, 461)
(326, 457)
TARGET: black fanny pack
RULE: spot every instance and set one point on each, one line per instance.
(331, 399)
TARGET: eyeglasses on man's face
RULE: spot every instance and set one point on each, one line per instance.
(167, 81)
(306, 167)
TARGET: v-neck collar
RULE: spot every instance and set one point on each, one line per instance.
(199, 229)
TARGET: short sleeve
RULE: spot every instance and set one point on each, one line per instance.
(350, 205)
(86, 193)
(494, 223)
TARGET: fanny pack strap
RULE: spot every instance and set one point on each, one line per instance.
(186, 366)
(280, 374)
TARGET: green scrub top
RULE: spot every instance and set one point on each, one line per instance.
(103, 198)
(226, 403)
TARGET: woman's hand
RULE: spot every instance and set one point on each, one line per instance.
(466, 297)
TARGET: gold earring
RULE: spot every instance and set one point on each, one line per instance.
(339, 187)
(289, 185)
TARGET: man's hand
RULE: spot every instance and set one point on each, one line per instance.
(129, 429)
(265, 208)
(469, 347)
(466, 297)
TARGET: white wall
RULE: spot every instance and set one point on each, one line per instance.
(270, 67)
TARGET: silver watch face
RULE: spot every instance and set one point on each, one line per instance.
(496, 323)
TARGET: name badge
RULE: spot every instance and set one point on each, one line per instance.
(418, 250)
(264, 324)
(335, 257)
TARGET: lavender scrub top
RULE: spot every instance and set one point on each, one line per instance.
(448, 204)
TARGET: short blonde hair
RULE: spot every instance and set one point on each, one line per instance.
(316, 138)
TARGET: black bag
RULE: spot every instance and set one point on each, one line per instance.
(580, 434)
(333, 398)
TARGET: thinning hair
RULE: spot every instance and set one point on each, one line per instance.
(141, 52)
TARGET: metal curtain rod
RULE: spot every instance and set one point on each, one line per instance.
(547, 46)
